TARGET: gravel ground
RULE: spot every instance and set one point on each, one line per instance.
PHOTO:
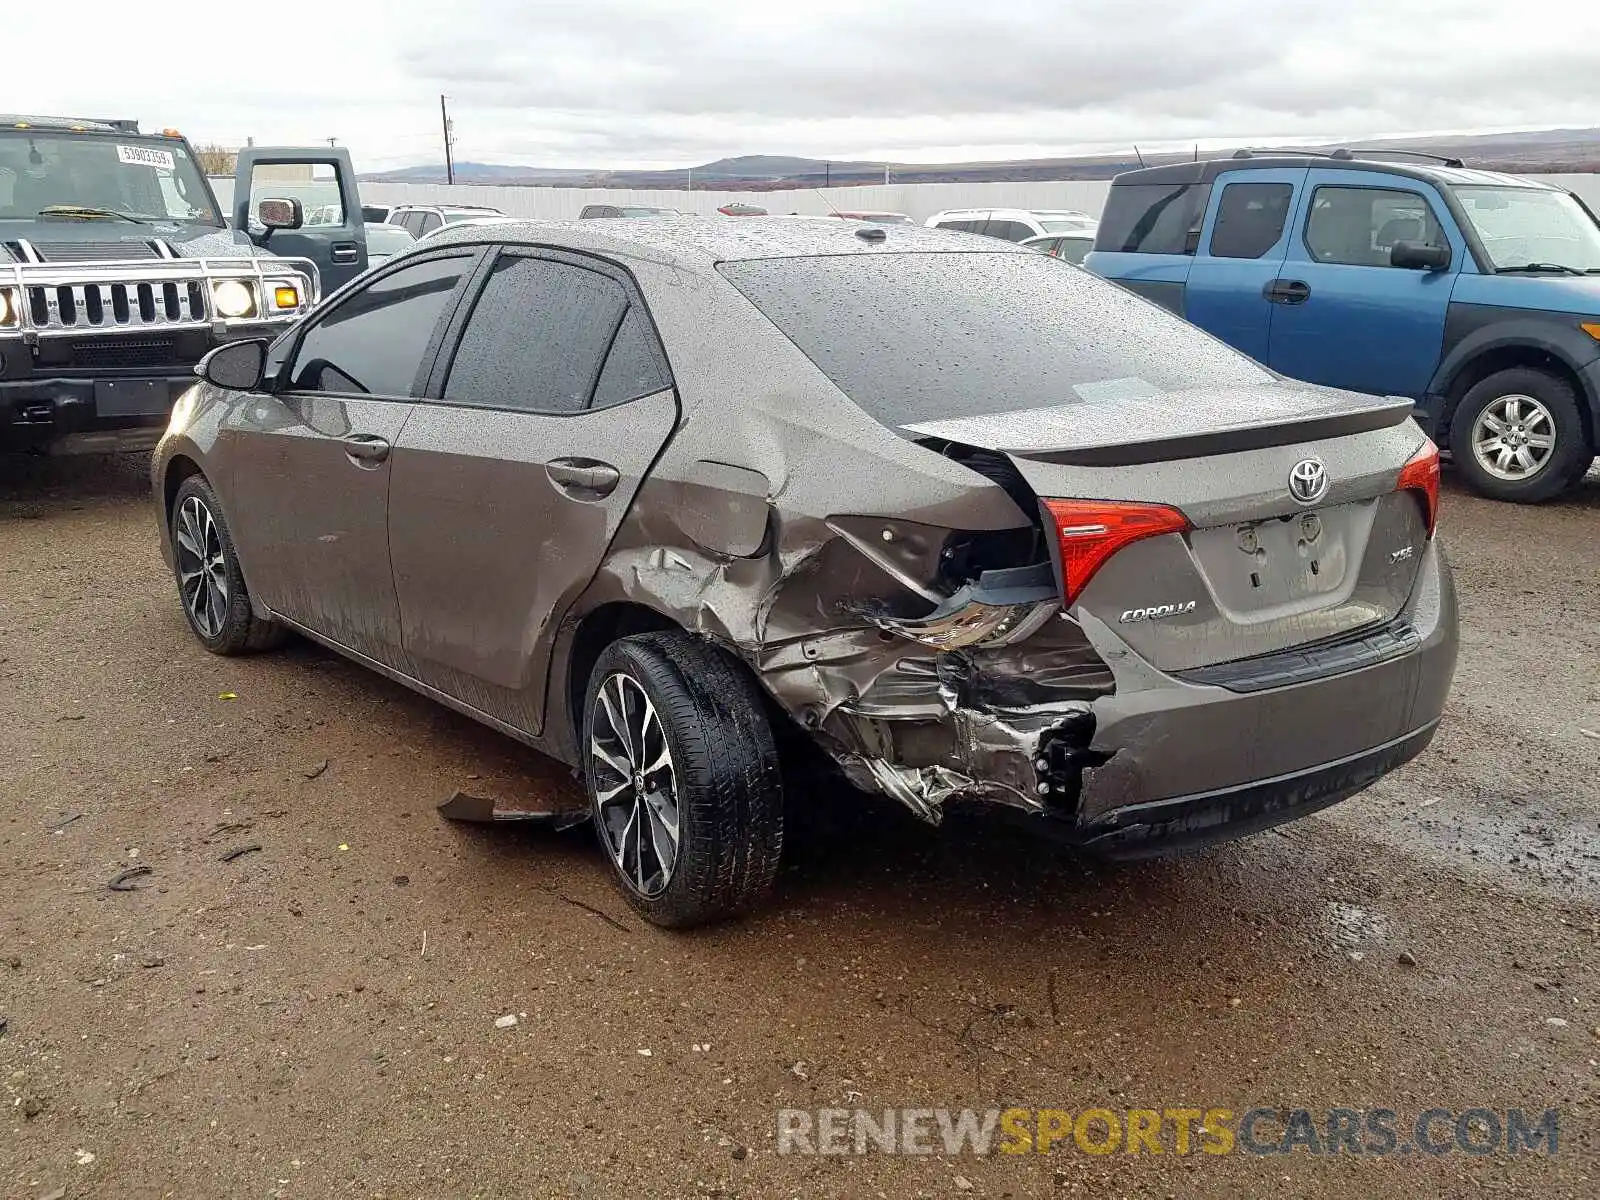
(318, 1017)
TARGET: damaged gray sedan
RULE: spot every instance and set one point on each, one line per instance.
(982, 528)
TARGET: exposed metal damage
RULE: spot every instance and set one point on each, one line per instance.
(925, 688)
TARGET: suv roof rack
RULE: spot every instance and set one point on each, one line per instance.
(1298, 151)
(1346, 154)
(1442, 159)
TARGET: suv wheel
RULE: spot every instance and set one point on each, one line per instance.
(210, 584)
(683, 778)
(1518, 435)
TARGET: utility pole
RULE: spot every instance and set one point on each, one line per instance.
(449, 158)
(331, 141)
(885, 174)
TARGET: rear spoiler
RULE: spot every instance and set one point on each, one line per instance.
(1093, 434)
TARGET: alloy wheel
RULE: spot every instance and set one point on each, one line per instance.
(1513, 437)
(635, 785)
(202, 567)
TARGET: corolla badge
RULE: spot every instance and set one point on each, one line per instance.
(1157, 611)
(1308, 480)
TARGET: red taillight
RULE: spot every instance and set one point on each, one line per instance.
(1421, 474)
(1091, 531)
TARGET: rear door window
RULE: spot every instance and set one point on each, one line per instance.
(428, 222)
(536, 337)
(1250, 219)
(1153, 218)
(635, 366)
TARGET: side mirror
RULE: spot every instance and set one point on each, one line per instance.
(1419, 256)
(281, 214)
(236, 366)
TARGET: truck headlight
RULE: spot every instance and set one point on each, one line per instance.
(233, 299)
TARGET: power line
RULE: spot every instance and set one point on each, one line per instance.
(449, 158)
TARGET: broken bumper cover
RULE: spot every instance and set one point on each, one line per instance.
(1187, 822)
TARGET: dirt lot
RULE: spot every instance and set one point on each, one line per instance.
(317, 1018)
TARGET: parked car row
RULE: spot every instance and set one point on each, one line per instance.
(1012, 224)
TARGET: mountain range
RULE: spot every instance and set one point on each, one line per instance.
(1547, 151)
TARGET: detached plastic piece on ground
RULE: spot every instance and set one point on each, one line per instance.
(482, 809)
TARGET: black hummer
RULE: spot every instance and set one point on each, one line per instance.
(118, 271)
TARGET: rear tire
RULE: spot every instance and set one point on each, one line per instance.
(210, 584)
(679, 762)
(1518, 435)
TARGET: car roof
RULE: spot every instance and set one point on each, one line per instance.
(1012, 212)
(1086, 234)
(470, 222)
(483, 208)
(695, 243)
(1449, 173)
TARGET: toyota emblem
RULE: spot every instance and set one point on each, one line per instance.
(1308, 480)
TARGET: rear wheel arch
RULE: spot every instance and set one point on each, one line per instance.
(596, 630)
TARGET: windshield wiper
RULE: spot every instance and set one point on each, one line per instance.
(78, 210)
(1559, 268)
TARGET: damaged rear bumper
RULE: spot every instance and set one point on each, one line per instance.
(1160, 762)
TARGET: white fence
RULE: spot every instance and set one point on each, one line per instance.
(918, 200)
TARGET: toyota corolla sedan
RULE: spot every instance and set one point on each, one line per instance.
(658, 497)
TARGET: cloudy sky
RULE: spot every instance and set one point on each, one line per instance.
(622, 83)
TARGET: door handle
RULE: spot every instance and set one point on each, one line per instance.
(1287, 291)
(583, 478)
(366, 447)
(344, 253)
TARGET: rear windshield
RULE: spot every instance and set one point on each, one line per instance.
(922, 337)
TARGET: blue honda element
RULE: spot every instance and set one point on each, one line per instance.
(1475, 294)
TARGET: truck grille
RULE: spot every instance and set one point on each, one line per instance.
(117, 305)
(70, 252)
(124, 352)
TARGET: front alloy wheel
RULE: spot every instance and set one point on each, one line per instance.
(202, 569)
(635, 786)
(210, 583)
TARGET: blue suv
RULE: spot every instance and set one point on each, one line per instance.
(1475, 294)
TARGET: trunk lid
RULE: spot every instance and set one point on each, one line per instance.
(1259, 570)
